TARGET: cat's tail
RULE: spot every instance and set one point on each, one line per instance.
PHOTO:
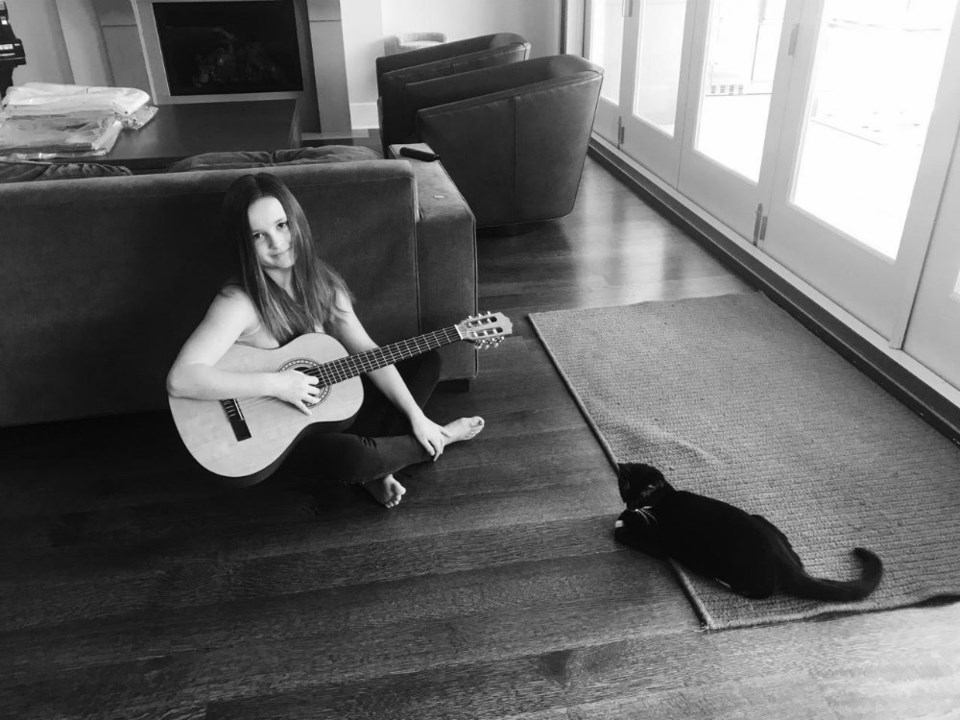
(804, 585)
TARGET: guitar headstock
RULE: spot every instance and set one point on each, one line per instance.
(485, 330)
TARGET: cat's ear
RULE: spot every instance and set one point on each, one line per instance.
(651, 474)
(623, 482)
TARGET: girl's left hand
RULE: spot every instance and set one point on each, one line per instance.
(432, 436)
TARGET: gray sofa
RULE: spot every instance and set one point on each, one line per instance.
(103, 278)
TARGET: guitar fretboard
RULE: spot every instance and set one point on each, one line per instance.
(330, 373)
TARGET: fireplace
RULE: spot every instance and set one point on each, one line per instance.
(226, 50)
(215, 48)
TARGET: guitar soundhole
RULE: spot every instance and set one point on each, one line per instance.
(305, 365)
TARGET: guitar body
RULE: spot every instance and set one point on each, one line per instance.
(219, 443)
(248, 437)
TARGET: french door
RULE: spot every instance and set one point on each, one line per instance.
(604, 30)
(871, 118)
(820, 130)
(656, 61)
(643, 46)
(932, 336)
(741, 71)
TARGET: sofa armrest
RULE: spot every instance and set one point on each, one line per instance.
(447, 259)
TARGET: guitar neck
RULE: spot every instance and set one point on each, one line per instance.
(350, 366)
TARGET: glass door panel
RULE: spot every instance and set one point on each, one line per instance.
(875, 79)
(656, 57)
(743, 39)
(606, 45)
(605, 48)
(659, 55)
(851, 210)
(932, 336)
(743, 64)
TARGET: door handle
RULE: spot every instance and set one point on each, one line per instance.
(626, 8)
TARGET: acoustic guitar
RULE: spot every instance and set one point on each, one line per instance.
(246, 438)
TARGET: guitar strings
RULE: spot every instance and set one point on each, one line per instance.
(343, 368)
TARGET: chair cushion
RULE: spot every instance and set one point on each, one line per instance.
(262, 158)
(27, 170)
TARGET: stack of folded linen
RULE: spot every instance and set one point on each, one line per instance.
(48, 120)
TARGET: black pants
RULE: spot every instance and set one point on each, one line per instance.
(379, 441)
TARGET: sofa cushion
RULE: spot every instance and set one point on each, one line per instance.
(27, 170)
(262, 158)
(223, 161)
(326, 153)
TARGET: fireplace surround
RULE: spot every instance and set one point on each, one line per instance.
(225, 50)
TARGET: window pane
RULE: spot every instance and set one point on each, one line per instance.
(659, 49)
(606, 45)
(742, 49)
(876, 72)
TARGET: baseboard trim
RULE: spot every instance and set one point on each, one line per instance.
(931, 397)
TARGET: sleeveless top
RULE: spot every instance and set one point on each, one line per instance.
(260, 337)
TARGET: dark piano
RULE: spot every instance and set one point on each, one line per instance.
(11, 51)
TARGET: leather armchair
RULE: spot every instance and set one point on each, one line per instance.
(513, 138)
(395, 72)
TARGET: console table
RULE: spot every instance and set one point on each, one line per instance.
(179, 131)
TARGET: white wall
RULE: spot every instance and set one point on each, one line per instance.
(576, 25)
(37, 24)
(536, 20)
(362, 44)
(84, 42)
(124, 51)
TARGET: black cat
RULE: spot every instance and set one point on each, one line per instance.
(745, 552)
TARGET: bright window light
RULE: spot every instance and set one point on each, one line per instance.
(876, 72)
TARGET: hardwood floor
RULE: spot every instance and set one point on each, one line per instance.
(130, 589)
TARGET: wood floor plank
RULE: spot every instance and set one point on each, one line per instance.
(537, 634)
(784, 698)
(376, 604)
(165, 529)
(643, 672)
(324, 560)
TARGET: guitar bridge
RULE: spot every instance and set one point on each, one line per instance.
(237, 421)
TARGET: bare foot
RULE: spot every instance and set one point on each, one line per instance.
(463, 429)
(386, 490)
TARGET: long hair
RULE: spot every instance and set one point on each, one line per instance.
(315, 284)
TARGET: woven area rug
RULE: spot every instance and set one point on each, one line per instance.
(731, 397)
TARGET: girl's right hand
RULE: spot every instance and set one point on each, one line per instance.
(297, 388)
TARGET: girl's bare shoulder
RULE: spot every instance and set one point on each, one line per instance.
(233, 293)
(233, 300)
